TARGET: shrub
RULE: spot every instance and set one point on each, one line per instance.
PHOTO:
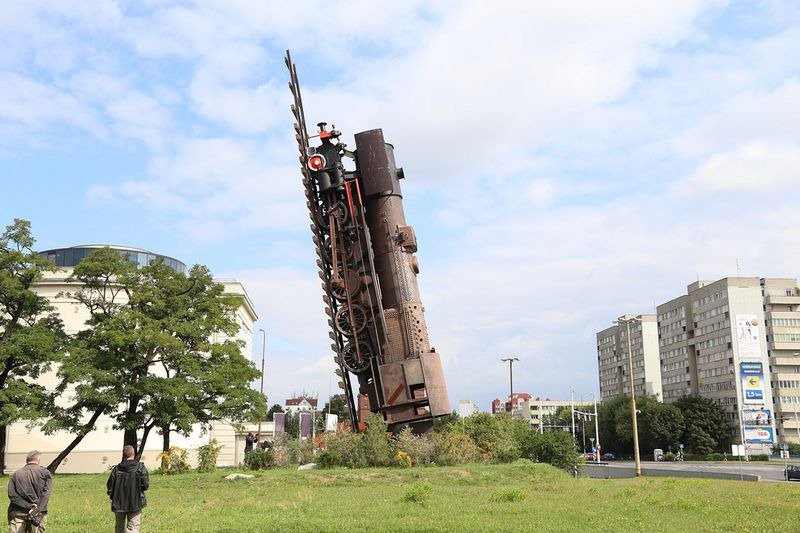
(452, 448)
(554, 447)
(418, 448)
(759, 457)
(259, 459)
(343, 448)
(207, 455)
(494, 436)
(174, 461)
(508, 495)
(419, 492)
(714, 457)
(375, 442)
(402, 459)
(291, 451)
(669, 456)
(330, 459)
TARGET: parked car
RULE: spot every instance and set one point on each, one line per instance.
(608, 456)
(792, 472)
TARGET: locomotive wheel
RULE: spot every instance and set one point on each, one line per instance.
(342, 320)
(340, 212)
(350, 357)
(338, 289)
(347, 253)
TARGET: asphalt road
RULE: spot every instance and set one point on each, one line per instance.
(769, 471)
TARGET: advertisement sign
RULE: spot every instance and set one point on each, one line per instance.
(752, 375)
(758, 434)
(756, 417)
(747, 336)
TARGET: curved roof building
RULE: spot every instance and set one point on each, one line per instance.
(69, 257)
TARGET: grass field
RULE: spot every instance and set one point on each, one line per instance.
(514, 497)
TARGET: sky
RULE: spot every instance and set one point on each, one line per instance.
(566, 162)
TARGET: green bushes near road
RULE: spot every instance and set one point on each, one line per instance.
(478, 438)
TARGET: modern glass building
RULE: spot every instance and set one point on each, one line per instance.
(69, 257)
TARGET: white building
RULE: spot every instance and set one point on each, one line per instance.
(102, 447)
(467, 408)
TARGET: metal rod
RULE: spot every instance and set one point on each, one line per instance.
(627, 320)
(510, 382)
(261, 389)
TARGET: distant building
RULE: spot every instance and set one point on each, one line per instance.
(612, 358)
(512, 406)
(300, 404)
(536, 409)
(466, 408)
(735, 341)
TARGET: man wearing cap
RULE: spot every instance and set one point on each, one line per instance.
(29, 491)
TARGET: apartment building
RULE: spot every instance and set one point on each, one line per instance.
(612, 358)
(782, 314)
(736, 341)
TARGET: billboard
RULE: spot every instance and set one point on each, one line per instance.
(756, 417)
(752, 375)
(747, 336)
(758, 434)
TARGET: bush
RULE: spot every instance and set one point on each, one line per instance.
(292, 451)
(714, 457)
(759, 457)
(452, 448)
(553, 447)
(342, 448)
(375, 442)
(402, 459)
(418, 448)
(494, 436)
(419, 492)
(207, 456)
(508, 495)
(259, 459)
(669, 456)
(174, 461)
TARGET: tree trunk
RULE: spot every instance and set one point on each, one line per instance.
(85, 429)
(165, 433)
(3, 448)
(129, 436)
(145, 434)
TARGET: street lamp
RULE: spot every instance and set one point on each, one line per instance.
(510, 382)
(596, 430)
(261, 389)
(627, 319)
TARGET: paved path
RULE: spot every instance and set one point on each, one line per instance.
(769, 471)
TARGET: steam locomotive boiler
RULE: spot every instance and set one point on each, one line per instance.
(369, 273)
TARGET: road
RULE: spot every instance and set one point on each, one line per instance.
(769, 471)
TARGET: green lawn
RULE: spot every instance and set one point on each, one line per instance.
(515, 497)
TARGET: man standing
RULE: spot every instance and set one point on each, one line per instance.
(125, 487)
(28, 491)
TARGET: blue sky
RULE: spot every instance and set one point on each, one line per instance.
(566, 162)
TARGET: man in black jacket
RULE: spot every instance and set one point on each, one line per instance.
(125, 487)
(29, 491)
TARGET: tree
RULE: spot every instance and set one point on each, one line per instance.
(706, 427)
(661, 425)
(337, 405)
(561, 421)
(277, 408)
(31, 334)
(148, 356)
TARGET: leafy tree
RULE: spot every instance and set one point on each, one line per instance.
(148, 357)
(584, 425)
(443, 421)
(277, 408)
(610, 413)
(31, 334)
(291, 425)
(706, 427)
(660, 426)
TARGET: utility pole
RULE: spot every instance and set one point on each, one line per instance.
(510, 382)
(572, 412)
(627, 319)
(261, 389)
(596, 427)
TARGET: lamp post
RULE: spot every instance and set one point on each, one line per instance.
(510, 382)
(627, 319)
(596, 427)
(261, 389)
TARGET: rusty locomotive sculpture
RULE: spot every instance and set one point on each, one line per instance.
(368, 270)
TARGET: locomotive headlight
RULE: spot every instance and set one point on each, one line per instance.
(316, 162)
